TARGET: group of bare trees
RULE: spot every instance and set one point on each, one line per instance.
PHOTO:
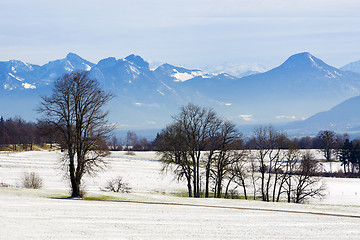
(208, 153)
(283, 168)
(182, 145)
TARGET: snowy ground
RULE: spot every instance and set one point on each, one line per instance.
(40, 214)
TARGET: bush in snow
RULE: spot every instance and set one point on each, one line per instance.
(117, 185)
(32, 180)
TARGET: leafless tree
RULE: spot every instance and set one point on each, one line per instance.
(269, 144)
(75, 108)
(225, 155)
(327, 139)
(292, 159)
(117, 185)
(114, 144)
(131, 139)
(239, 170)
(307, 185)
(171, 145)
(190, 132)
(195, 123)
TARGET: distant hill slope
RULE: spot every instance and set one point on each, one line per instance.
(353, 67)
(344, 117)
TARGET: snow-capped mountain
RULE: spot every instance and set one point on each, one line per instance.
(55, 69)
(300, 87)
(179, 74)
(16, 74)
(353, 67)
(236, 70)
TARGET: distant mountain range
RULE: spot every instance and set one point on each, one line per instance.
(236, 70)
(145, 99)
(343, 118)
(353, 67)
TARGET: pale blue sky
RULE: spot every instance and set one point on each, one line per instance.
(191, 33)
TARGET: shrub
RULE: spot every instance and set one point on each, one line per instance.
(117, 185)
(32, 180)
(130, 153)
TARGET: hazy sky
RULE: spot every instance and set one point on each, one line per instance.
(191, 33)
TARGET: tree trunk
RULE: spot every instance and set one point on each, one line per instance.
(198, 177)
(207, 178)
(244, 187)
(189, 187)
(227, 186)
(195, 178)
(75, 186)
(219, 182)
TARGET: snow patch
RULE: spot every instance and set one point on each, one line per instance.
(182, 77)
(17, 78)
(134, 70)
(28, 65)
(166, 86)
(87, 67)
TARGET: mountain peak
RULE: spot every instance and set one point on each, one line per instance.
(72, 55)
(303, 61)
(138, 61)
(109, 62)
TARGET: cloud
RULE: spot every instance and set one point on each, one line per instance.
(246, 117)
(285, 117)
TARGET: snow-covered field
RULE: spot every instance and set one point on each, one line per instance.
(42, 214)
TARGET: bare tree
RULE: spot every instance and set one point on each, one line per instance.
(225, 155)
(327, 139)
(75, 108)
(117, 185)
(239, 171)
(269, 144)
(171, 146)
(114, 144)
(195, 122)
(131, 140)
(306, 184)
(190, 132)
(292, 157)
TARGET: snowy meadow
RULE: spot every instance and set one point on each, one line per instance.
(153, 208)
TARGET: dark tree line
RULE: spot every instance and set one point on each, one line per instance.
(349, 156)
(17, 132)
